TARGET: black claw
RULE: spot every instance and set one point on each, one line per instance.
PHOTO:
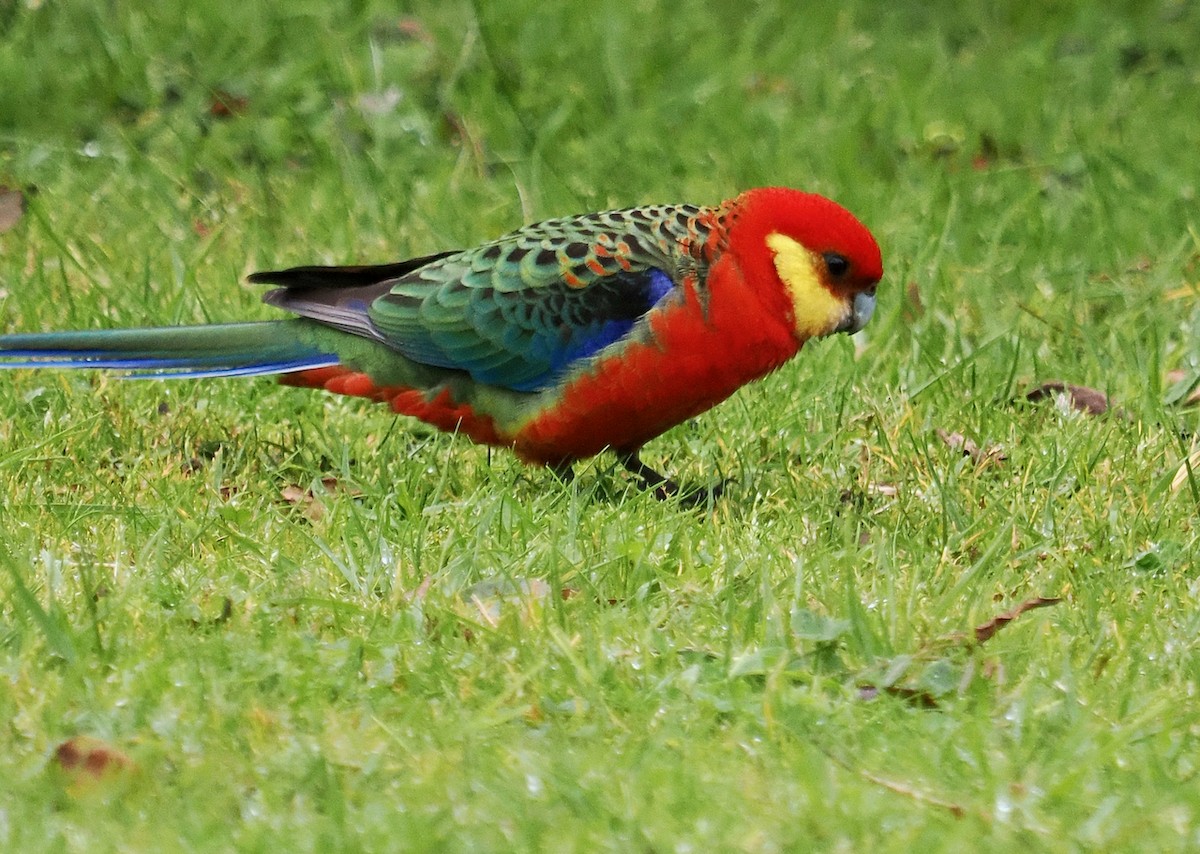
(702, 496)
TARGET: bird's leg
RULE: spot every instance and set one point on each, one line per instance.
(563, 471)
(665, 488)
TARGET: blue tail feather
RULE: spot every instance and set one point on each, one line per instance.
(191, 352)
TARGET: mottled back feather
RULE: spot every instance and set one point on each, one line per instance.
(519, 311)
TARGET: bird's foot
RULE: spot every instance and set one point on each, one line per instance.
(665, 489)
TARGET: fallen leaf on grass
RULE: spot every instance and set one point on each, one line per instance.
(1187, 471)
(987, 153)
(1183, 388)
(224, 105)
(303, 499)
(88, 762)
(413, 29)
(914, 307)
(984, 632)
(309, 503)
(923, 682)
(959, 442)
(1188, 291)
(1080, 398)
(332, 484)
(993, 671)
(12, 207)
(421, 591)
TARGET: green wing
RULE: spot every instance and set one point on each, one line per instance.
(519, 311)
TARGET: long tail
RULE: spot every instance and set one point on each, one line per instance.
(219, 350)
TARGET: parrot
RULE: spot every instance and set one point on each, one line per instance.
(559, 340)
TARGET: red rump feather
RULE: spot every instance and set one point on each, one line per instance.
(440, 410)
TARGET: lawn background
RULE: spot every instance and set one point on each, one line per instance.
(303, 625)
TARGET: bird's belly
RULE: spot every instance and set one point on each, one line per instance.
(625, 399)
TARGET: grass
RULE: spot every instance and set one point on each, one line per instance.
(307, 626)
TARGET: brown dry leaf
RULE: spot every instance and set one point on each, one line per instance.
(914, 307)
(959, 442)
(331, 484)
(984, 632)
(987, 153)
(1177, 377)
(1188, 469)
(310, 502)
(993, 671)
(413, 29)
(224, 105)
(12, 207)
(1081, 398)
(303, 499)
(418, 595)
(293, 494)
(88, 761)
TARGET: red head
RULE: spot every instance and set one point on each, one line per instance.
(813, 250)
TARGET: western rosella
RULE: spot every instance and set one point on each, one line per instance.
(558, 340)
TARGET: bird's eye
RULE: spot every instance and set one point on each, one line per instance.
(837, 264)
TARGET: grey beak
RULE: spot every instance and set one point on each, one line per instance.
(860, 312)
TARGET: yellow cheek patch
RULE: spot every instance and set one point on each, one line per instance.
(818, 311)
